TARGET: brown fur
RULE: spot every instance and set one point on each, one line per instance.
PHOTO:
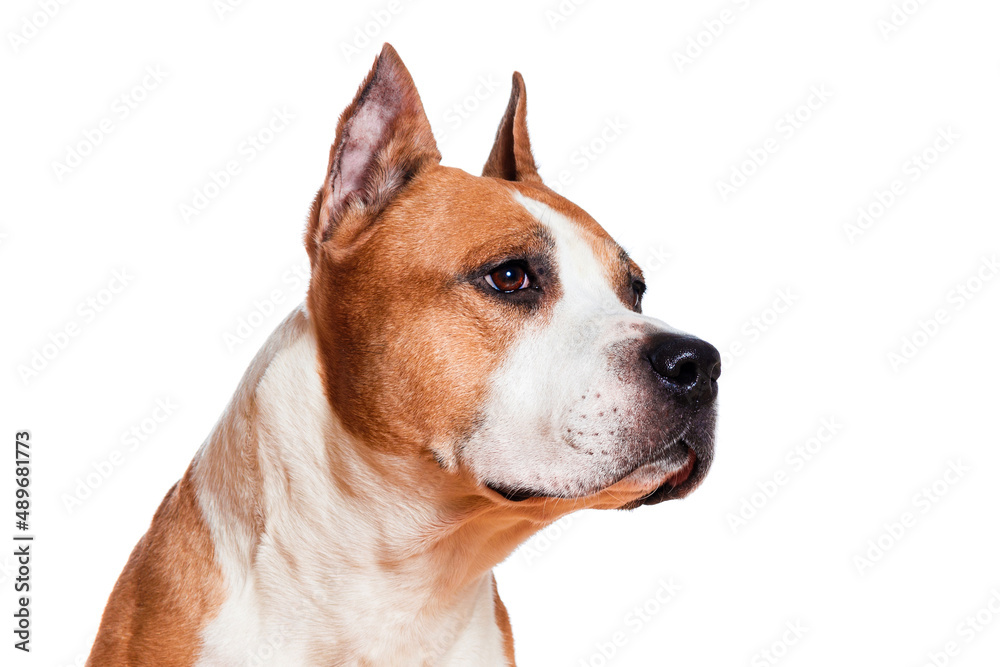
(503, 622)
(511, 158)
(169, 589)
(401, 331)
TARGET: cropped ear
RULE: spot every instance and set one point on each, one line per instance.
(383, 140)
(511, 157)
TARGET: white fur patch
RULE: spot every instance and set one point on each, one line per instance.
(559, 404)
(314, 591)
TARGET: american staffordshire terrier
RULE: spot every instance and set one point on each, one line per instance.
(471, 363)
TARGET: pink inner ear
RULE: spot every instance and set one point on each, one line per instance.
(367, 130)
(365, 133)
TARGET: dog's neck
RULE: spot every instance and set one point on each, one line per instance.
(348, 538)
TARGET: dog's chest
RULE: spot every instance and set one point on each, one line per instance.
(317, 589)
(307, 630)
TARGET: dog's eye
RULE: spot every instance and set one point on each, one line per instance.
(509, 277)
(638, 288)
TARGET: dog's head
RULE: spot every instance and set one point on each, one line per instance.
(490, 325)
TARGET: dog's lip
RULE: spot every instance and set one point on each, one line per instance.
(511, 494)
(676, 488)
(653, 477)
(677, 476)
(656, 474)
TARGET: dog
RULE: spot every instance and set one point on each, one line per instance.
(471, 363)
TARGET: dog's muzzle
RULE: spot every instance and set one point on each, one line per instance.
(688, 369)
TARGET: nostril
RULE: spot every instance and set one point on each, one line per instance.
(687, 374)
(686, 365)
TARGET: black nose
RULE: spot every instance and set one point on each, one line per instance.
(688, 366)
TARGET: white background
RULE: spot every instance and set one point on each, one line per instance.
(715, 267)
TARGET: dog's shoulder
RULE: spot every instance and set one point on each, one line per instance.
(168, 590)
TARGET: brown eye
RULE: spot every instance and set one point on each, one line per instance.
(638, 288)
(508, 278)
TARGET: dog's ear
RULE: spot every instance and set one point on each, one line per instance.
(511, 157)
(383, 140)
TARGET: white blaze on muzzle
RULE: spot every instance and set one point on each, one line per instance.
(566, 403)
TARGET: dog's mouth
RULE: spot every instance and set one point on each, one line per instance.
(513, 495)
(676, 484)
(664, 472)
(674, 474)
